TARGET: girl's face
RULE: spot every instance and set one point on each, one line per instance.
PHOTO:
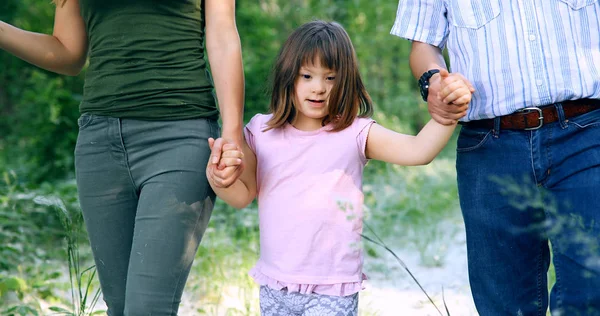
(312, 87)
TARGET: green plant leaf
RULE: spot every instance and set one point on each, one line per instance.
(61, 310)
(14, 284)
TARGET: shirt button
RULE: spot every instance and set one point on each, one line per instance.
(539, 82)
(532, 37)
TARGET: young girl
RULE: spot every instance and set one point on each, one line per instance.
(305, 161)
(147, 112)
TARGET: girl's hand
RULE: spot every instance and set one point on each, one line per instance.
(454, 90)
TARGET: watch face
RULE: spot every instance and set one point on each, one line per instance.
(424, 87)
(424, 92)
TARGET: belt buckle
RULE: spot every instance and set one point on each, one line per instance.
(540, 118)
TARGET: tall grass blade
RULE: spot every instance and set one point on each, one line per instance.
(380, 243)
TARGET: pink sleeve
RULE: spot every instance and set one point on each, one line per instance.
(363, 126)
(253, 128)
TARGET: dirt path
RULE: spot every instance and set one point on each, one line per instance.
(389, 293)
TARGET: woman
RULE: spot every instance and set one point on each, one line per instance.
(146, 115)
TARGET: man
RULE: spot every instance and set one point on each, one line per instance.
(528, 154)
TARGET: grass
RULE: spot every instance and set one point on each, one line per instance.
(47, 231)
(415, 207)
(84, 293)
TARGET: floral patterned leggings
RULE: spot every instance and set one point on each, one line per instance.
(283, 303)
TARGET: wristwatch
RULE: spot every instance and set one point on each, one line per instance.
(424, 82)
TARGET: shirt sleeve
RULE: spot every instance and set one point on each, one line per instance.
(253, 128)
(363, 127)
(423, 21)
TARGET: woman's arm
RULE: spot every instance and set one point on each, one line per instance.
(243, 191)
(64, 52)
(225, 57)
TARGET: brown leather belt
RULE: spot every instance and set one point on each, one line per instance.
(533, 117)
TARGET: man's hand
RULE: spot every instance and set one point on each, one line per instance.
(447, 113)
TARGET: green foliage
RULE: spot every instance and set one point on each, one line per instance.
(83, 295)
(414, 207)
(24, 225)
(31, 235)
(38, 109)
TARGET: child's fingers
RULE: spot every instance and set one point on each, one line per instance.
(459, 96)
(232, 157)
(211, 142)
(450, 84)
(454, 92)
(225, 173)
(228, 162)
(230, 146)
(465, 99)
(215, 176)
(228, 175)
(232, 154)
(467, 82)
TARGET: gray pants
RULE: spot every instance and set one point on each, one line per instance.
(284, 303)
(146, 204)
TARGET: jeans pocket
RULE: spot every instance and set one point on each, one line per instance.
(587, 120)
(473, 14)
(84, 120)
(472, 138)
(578, 4)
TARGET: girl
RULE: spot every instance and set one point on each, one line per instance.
(147, 112)
(305, 161)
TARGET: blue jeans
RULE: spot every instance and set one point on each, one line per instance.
(146, 203)
(520, 189)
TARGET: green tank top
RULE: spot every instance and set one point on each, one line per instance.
(146, 60)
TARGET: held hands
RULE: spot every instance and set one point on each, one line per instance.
(225, 164)
(449, 97)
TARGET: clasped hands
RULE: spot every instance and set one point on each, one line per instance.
(226, 162)
(449, 97)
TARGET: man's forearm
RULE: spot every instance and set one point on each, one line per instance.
(424, 57)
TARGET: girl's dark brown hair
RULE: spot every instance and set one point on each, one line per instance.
(329, 43)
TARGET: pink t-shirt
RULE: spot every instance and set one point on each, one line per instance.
(310, 201)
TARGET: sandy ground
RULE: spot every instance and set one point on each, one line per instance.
(389, 293)
(397, 294)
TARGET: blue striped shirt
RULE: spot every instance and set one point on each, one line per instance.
(517, 53)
